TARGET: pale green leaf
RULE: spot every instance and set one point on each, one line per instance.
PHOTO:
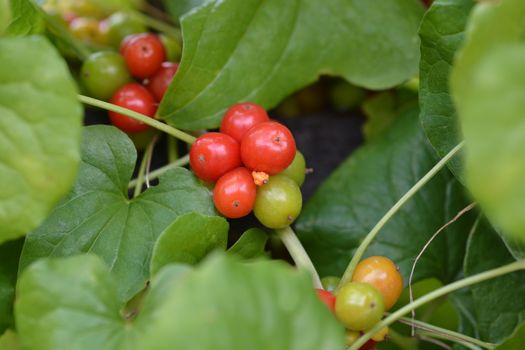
(40, 126)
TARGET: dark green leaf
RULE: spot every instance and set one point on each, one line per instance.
(498, 305)
(250, 245)
(72, 303)
(41, 124)
(515, 341)
(98, 217)
(263, 50)
(25, 19)
(9, 256)
(352, 200)
(488, 83)
(441, 33)
(188, 240)
(180, 7)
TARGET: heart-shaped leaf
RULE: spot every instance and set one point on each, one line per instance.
(489, 90)
(9, 256)
(365, 186)
(250, 245)
(180, 7)
(41, 124)
(189, 239)
(441, 33)
(497, 308)
(72, 303)
(263, 50)
(98, 217)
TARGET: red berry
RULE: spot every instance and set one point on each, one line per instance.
(137, 98)
(124, 43)
(234, 193)
(144, 54)
(327, 298)
(159, 82)
(213, 155)
(268, 147)
(369, 345)
(241, 117)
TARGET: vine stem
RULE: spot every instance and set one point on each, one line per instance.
(480, 277)
(427, 244)
(299, 255)
(347, 276)
(158, 172)
(445, 333)
(181, 135)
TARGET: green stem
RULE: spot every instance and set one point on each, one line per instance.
(347, 276)
(445, 333)
(181, 135)
(156, 173)
(298, 254)
(140, 176)
(144, 166)
(156, 24)
(442, 337)
(480, 277)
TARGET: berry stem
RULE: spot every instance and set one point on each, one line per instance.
(181, 135)
(347, 276)
(158, 172)
(480, 277)
(299, 255)
(173, 150)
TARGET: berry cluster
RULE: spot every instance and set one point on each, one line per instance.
(135, 78)
(359, 305)
(254, 164)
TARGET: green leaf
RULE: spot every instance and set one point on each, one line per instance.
(441, 33)
(180, 7)
(263, 305)
(9, 256)
(40, 123)
(250, 245)
(489, 89)
(25, 19)
(98, 217)
(262, 51)
(9, 341)
(188, 240)
(515, 341)
(365, 186)
(497, 308)
(72, 303)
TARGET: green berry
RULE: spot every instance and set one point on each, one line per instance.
(103, 73)
(278, 202)
(120, 25)
(359, 306)
(297, 170)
